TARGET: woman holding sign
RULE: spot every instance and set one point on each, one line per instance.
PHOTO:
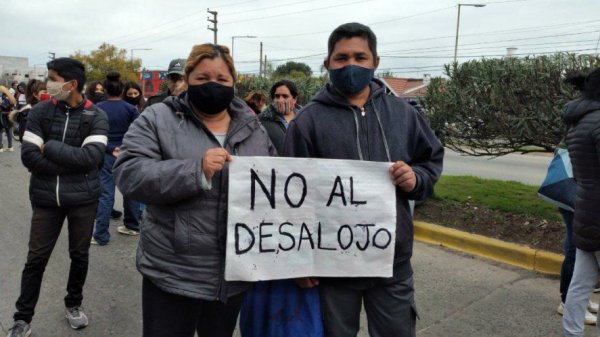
(174, 159)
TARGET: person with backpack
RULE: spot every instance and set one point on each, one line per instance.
(63, 147)
(7, 103)
(35, 92)
(120, 115)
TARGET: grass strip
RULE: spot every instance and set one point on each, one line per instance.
(504, 196)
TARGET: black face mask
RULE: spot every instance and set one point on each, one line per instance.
(97, 97)
(133, 100)
(210, 97)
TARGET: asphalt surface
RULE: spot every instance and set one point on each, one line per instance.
(456, 294)
(525, 168)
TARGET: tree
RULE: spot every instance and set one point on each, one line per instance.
(108, 58)
(292, 69)
(498, 106)
(307, 86)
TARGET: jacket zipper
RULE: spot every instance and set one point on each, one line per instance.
(58, 176)
(227, 137)
(364, 125)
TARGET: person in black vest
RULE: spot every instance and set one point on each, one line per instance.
(281, 111)
(63, 147)
(582, 117)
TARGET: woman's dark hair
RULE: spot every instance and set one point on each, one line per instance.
(350, 30)
(588, 85)
(113, 85)
(33, 88)
(69, 69)
(288, 84)
(91, 88)
(256, 100)
(128, 85)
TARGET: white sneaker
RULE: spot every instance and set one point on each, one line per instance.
(10, 149)
(126, 231)
(561, 309)
(2, 149)
(593, 307)
(590, 319)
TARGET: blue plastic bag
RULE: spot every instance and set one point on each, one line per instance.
(281, 309)
(559, 186)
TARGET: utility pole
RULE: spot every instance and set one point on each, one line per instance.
(214, 22)
(265, 66)
(52, 55)
(260, 71)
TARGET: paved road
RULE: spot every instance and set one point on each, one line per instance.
(529, 169)
(457, 295)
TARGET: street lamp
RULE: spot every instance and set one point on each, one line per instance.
(240, 37)
(138, 49)
(458, 24)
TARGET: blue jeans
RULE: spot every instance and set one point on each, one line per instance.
(131, 208)
(566, 270)
(585, 276)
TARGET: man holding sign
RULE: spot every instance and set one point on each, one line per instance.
(353, 118)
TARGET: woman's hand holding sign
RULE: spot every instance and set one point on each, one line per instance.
(214, 160)
(403, 176)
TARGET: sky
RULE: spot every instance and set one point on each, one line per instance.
(415, 37)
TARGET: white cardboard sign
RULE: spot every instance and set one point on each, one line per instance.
(297, 217)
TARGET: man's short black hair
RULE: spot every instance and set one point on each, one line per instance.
(287, 83)
(69, 69)
(350, 30)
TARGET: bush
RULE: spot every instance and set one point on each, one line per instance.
(498, 106)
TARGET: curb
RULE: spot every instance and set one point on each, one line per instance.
(509, 253)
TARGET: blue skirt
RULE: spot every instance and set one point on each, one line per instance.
(281, 309)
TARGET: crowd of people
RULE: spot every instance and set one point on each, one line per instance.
(169, 158)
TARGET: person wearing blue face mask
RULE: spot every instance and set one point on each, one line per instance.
(353, 118)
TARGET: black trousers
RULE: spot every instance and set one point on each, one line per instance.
(169, 315)
(46, 225)
(391, 309)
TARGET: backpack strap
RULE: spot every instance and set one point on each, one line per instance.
(87, 120)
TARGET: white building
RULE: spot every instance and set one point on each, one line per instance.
(18, 69)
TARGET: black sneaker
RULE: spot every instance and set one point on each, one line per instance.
(19, 329)
(115, 214)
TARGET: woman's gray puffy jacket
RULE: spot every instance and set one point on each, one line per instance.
(183, 234)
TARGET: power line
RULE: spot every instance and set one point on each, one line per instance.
(266, 8)
(498, 32)
(450, 48)
(369, 24)
(480, 56)
(297, 12)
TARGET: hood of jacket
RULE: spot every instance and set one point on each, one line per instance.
(329, 95)
(575, 110)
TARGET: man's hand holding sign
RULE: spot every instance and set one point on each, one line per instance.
(404, 177)
(291, 218)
